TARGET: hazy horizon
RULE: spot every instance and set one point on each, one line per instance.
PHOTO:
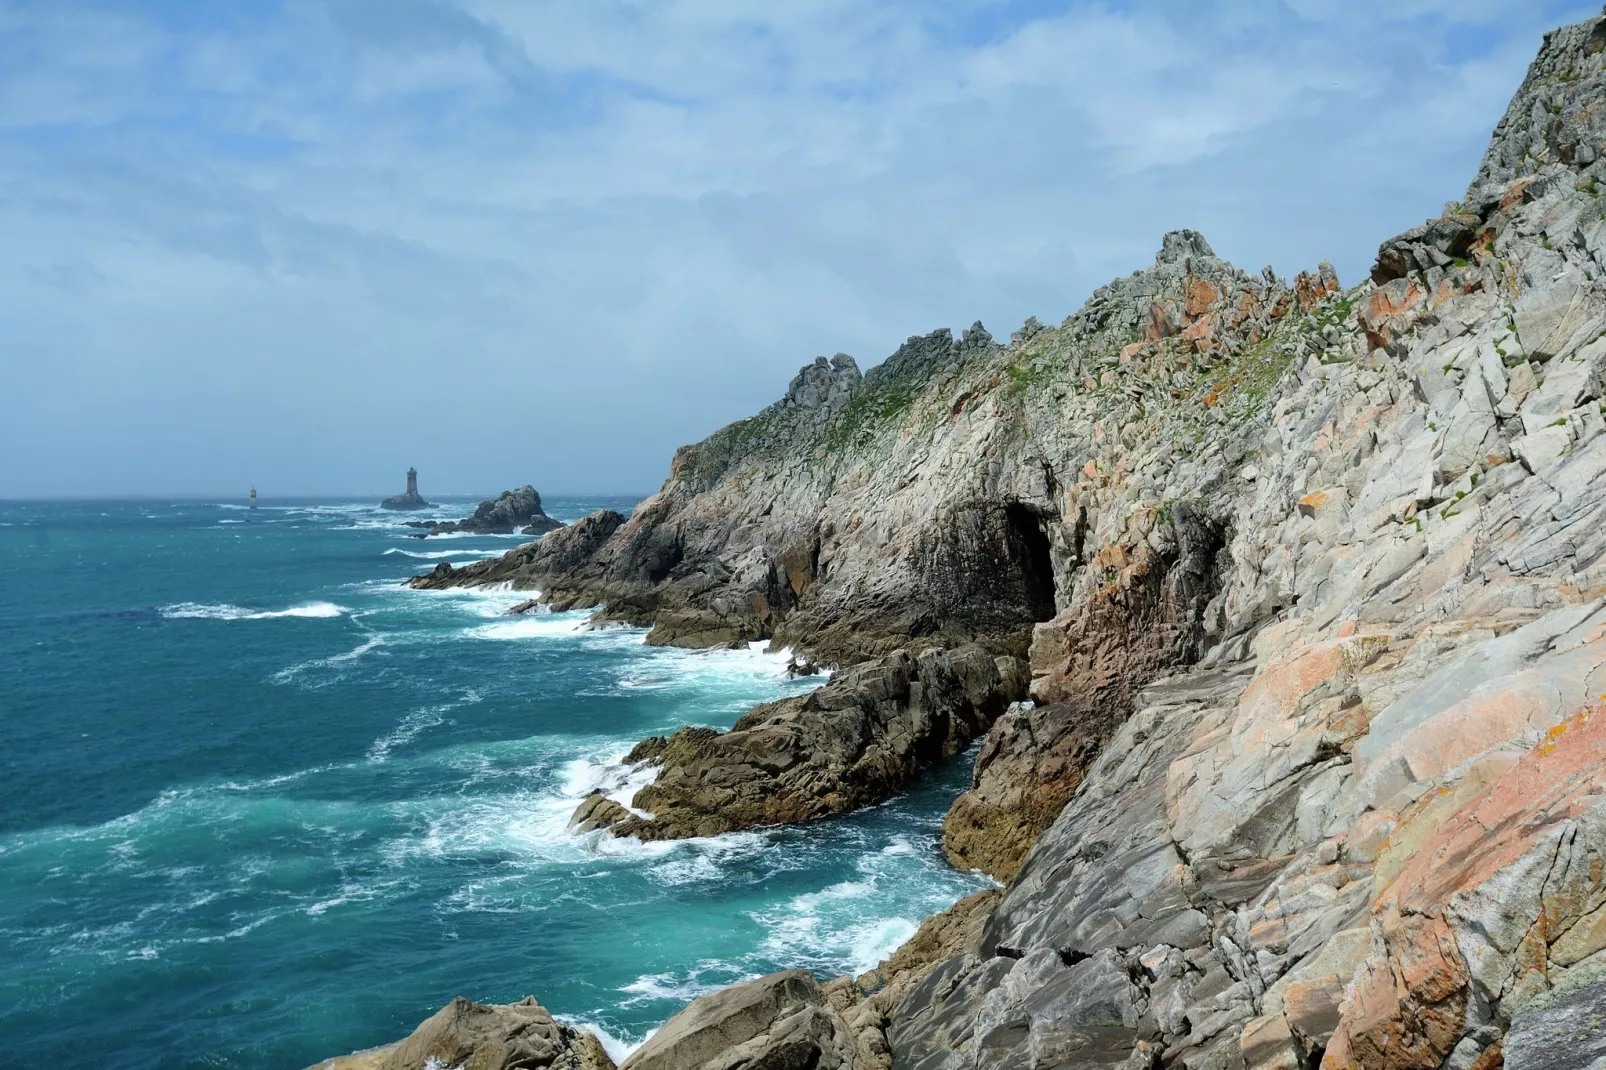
(308, 244)
(342, 497)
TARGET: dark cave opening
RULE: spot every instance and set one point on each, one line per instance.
(1037, 567)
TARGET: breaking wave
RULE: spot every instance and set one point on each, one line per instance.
(225, 611)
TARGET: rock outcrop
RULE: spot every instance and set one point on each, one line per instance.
(465, 1035)
(1312, 584)
(512, 511)
(408, 499)
(856, 741)
(774, 1023)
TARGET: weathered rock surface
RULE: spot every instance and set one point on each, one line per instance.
(858, 740)
(465, 1035)
(517, 510)
(1563, 1030)
(779, 1022)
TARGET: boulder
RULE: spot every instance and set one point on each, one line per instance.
(512, 511)
(779, 1022)
(464, 1035)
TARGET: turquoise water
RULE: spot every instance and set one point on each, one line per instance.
(261, 804)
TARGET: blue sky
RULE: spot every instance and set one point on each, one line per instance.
(305, 244)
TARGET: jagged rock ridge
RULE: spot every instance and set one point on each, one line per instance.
(1342, 804)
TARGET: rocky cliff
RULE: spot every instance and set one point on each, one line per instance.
(1312, 586)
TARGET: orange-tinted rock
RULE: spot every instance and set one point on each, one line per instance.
(1409, 1004)
(1384, 314)
(1311, 288)
(1200, 295)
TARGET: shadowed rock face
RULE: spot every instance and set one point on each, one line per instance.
(1321, 691)
(856, 741)
(1148, 618)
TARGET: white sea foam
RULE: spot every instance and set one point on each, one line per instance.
(471, 555)
(333, 661)
(225, 611)
(699, 980)
(830, 928)
(539, 627)
(479, 535)
(414, 724)
(618, 1048)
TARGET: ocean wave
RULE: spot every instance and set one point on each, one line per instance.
(549, 626)
(830, 928)
(619, 782)
(685, 986)
(225, 611)
(414, 724)
(472, 555)
(722, 681)
(481, 535)
(334, 661)
(618, 1048)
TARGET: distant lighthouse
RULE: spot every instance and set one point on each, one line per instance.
(253, 497)
(409, 500)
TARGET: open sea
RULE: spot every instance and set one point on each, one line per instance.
(261, 804)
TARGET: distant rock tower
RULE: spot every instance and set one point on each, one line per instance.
(411, 499)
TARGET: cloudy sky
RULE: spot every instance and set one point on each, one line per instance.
(304, 244)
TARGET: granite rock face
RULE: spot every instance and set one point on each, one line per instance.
(517, 510)
(858, 740)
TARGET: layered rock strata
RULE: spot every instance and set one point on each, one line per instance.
(856, 741)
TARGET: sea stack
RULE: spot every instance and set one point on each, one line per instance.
(408, 500)
(517, 510)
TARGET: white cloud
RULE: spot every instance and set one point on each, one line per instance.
(509, 241)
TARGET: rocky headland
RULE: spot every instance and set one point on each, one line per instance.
(1308, 762)
(518, 510)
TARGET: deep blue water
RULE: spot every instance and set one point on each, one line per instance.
(261, 804)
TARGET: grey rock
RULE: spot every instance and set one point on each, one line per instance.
(517, 510)
(1565, 1030)
(858, 740)
(479, 1036)
(779, 1022)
